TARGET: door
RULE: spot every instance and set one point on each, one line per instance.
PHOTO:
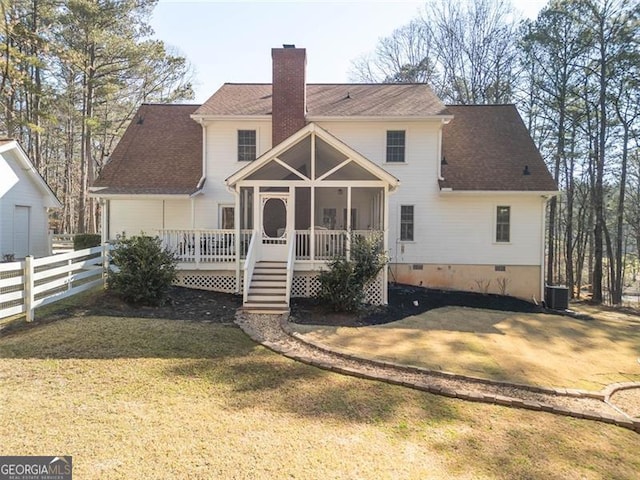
(21, 220)
(275, 223)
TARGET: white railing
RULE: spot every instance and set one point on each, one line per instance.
(249, 264)
(205, 246)
(328, 243)
(35, 282)
(291, 260)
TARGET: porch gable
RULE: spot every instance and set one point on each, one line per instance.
(313, 156)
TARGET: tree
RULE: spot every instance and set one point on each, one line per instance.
(465, 50)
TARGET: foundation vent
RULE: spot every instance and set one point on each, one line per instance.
(500, 268)
(417, 266)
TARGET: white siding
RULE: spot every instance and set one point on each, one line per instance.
(177, 214)
(18, 189)
(222, 162)
(133, 217)
(451, 229)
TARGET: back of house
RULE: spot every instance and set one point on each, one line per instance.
(256, 188)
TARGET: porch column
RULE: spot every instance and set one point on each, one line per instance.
(312, 229)
(236, 240)
(348, 223)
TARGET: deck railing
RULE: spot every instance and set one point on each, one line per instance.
(328, 243)
(205, 246)
(219, 246)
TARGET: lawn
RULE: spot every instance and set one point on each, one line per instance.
(154, 398)
(530, 348)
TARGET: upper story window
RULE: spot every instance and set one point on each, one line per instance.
(503, 224)
(395, 145)
(246, 145)
(406, 223)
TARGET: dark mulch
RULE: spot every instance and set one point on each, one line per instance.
(200, 305)
(404, 301)
(182, 304)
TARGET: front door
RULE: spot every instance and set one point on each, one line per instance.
(275, 223)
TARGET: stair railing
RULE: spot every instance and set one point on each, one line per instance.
(291, 260)
(249, 265)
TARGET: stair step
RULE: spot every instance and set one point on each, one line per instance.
(268, 289)
(266, 309)
(270, 278)
(279, 299)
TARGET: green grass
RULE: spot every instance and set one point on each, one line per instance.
(145, 398)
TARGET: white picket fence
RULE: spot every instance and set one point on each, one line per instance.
(34, 282)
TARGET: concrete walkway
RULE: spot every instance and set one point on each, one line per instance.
(273, 332)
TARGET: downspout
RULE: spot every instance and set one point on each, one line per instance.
(204, 171)
(543, 215)
(439, 158)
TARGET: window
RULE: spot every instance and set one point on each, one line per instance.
(503, 224)
(226, 217)
(406, 223)
(246, 145)
(395, 146)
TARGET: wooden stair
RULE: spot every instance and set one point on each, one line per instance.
(268, 288)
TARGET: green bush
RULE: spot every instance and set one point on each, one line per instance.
(342, 286)
(145, 270)
(85, 240)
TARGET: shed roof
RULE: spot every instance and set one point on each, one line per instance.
(159, 153)
(488, 147)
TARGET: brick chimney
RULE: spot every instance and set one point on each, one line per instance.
(289, 99)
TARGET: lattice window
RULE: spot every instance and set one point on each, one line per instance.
(214, 282)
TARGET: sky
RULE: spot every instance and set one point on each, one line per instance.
(232, 41)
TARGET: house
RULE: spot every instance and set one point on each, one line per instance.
(255, 188)
(24, 202)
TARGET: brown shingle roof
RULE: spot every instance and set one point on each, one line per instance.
(159, 153)
(339, 100)
(487, 147)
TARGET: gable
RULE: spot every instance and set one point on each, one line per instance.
(312, 155)
(19, 177)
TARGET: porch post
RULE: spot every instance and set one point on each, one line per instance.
(385, 236)
(236, 240)
(312, 226)
(348, 225)
(312, 229)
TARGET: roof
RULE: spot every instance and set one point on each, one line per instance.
(488, 147)
(9, 145)
(330, 100)
(159, 153)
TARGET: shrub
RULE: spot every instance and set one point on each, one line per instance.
(145, 270)
(85, 240)
(342, 286)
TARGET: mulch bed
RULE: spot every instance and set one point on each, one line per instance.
(182, 304)
(215, 307)
(404, 301)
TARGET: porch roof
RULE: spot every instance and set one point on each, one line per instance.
(319, 132)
